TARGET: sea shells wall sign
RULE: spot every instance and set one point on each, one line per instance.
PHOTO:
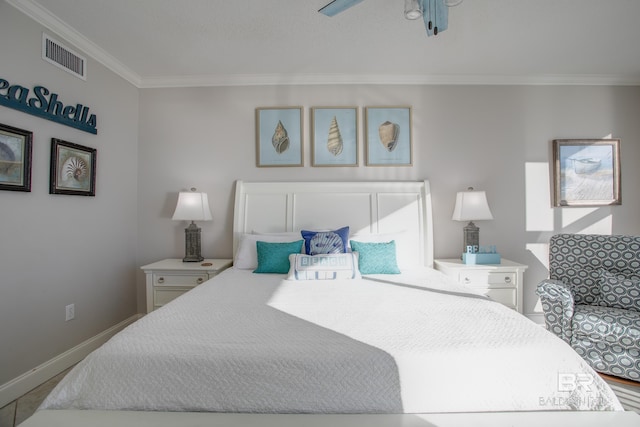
(586, 172)
(388, 136)
(334, 136)
(73, 169)
(279, 136)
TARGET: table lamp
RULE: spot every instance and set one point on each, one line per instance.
(471, 205)
(192, 206)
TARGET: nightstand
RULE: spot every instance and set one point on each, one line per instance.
(501, 282)
(170, 278)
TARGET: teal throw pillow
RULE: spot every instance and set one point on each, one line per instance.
(376, 258)
(274, 257)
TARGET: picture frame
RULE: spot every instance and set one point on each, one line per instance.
(388, 136)
(15, 158)
(279, 136)
(586, 172)
(73, 169)
(334, 136)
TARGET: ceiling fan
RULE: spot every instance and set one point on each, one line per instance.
(435, 13)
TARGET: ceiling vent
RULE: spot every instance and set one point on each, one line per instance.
(61, 56)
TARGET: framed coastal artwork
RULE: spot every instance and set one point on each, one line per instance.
(586, 172)
(279, 136)
(73, 169)
(15, 158)
(334, 136)
(387, 136)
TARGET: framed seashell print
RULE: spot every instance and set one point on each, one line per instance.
(279, 136)
(73, 169)
(15, 158)
(334, 136)
(387, 136)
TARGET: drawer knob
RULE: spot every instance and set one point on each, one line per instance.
(160, 279)
(200, 280)
(467, 280)
(507, 279)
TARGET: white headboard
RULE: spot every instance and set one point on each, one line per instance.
(366, 207)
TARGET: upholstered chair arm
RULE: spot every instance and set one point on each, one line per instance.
(557, 305)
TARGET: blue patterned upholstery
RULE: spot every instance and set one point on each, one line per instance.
(603, 330)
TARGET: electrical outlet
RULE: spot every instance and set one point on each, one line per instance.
(70, 312)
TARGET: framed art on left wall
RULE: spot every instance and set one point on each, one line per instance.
(73, 169)
(15, 158)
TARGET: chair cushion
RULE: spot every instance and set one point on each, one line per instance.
(608, 338)
(576, 259)
(618, 291)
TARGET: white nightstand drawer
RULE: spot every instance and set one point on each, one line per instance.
(164, 279)
(164, 295)
(487, 278)
(168, 279)
(501, 282)
(504, 296)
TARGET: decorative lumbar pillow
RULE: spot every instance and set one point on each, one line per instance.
(246, 256)
(617, 291)
(274, 257)
(323, 267)
(376, 258)
(325, 242)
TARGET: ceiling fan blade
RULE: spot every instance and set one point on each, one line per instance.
(437, 13)
(337, 6)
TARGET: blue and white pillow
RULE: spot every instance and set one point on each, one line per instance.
(323, 267)
(325, 242)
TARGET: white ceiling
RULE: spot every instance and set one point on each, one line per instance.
(154, 43)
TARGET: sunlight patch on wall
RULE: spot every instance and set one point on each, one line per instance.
(539, 213)
(603, 226)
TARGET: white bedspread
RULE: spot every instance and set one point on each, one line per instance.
(257, 343)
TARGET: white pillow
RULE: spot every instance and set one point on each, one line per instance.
(323, 266)
(406, 246)
(246, 256)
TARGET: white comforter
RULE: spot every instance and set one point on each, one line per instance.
(257, 343)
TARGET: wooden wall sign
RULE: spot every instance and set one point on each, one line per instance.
(45, 104)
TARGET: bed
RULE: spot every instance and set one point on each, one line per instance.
(410, 348)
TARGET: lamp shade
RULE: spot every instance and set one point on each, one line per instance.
(471, 205)
(192, 206)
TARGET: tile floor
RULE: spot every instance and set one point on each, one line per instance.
(19, 410)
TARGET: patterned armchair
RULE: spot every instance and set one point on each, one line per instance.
(592, 299)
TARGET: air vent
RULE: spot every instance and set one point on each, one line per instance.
(61, 56)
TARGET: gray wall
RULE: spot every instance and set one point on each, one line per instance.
(58, 249)
(153, 143)
(495, 138)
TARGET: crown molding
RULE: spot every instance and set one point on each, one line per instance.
(386, 79)
(45, 18)
(62, 29)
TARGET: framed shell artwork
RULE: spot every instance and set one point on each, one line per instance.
(279, 136)
(387, 136)
(15, 158)
(73, 169)
(334, 136)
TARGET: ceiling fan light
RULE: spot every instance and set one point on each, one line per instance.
(412, 9)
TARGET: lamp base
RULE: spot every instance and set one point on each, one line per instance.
(471, 236)
(192, 246)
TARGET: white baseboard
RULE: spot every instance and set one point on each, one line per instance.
(536, 317)
(26, 382)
